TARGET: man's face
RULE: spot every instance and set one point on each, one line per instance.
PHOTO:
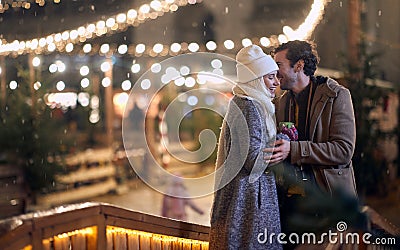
(286, 74)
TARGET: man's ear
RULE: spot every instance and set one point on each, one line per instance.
(299, 66)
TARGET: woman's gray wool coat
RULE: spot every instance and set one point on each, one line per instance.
(245, 211)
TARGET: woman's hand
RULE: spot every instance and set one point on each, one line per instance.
(280, 152)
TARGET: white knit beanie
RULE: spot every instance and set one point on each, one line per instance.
(253, 63)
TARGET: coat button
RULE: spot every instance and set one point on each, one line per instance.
(340, 172)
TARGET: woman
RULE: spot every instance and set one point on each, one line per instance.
(245, 210)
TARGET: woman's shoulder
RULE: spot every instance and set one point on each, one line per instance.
(243, 102)
(245, 106)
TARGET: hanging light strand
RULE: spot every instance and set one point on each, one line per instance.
(117, 23)
(64, 41)
(25, 4)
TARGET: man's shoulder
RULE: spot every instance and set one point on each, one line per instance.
(331, 87)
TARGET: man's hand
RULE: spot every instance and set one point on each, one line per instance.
(279, 153)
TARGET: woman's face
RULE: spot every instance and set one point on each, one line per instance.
(271, 82)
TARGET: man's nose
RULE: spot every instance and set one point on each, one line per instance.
(277, 81)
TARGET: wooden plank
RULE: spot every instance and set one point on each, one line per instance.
(133, 242)
(56, 217)
(80, 193)
(155, 244)
(110, 242)
(204, 246)
(62, 243)
(92, 239)
(120, 241)
(78, 242)
(18, 244)
(144, 242)
(121, 212)
(8, 210)
(117, 212)
(88, 174)
(156, 228)
(90, 156)
(102, 242)
(48, 224)
(17, 237)
(37, 239)
(82, 223)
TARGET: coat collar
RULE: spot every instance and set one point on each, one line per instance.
(323, 94)
(330, 88)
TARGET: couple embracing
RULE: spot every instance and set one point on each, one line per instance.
(264, 174)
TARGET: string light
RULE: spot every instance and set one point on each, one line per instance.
(156, 237)
(305, 30)
(117, 230)
(14, 4)
(229, 44)
(117, 23)
(246, 42)
(134, 17)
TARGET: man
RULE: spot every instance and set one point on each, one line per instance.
(322, 112)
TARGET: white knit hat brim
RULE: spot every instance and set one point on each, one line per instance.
(255, 69)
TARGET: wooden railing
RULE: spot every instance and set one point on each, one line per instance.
(99, 226)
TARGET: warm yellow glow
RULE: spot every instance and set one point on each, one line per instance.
(282, 38)
(49, 39)
(156, 5)
(135, 17)
(158, 47)
(122, 49)
(42, 42)
(132, 14)
(120, 100)
(35, 61)
(51, 47)
(105, 66)
(87, 48)
(85, 231)
(140, 48)
(69, 47)
(73, 34)
(110, 22)
(37, 85)
(264, 41)
(121, 18)
(246, 42)
(145, 8)
(153, 236)
(229, 44)
(34, 43)
(211, 45)
(93, 30)
(313, 18)
(193, 47)
(105, 48)
(175, 47)
(65, 35)
(57, 37)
